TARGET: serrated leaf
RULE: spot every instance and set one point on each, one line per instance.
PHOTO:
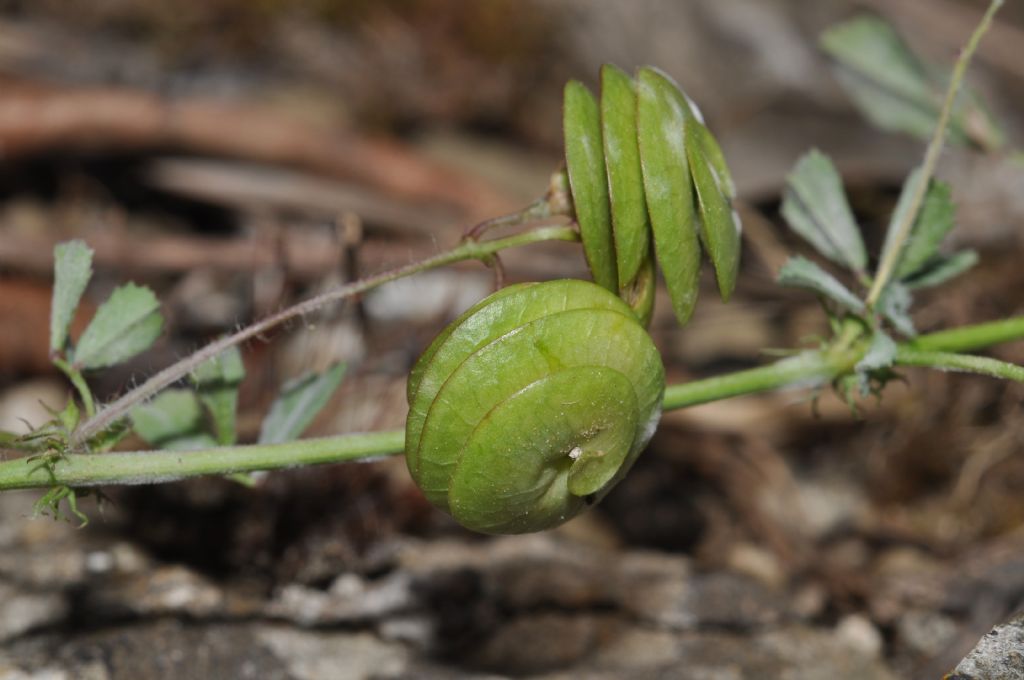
(298, 404)
(815, 207)
(894, 305)
(661, 118)
(217, 382)
(799, 272)
(896, 90)
(172, 420)
(126, 324)
(72, 264)
(933, 223)
(719, 224)
(941, 269)
(881, 355)
(584, 161)
(898, 213)
(630, 225)
(934, 220)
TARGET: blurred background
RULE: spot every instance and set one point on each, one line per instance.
(237, 156)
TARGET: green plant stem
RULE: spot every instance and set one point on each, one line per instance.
(807, 369)
(467, 250)
(891, 255)
(811, 368)
(150, 467)
(965, 363)
(971, 338)
(78, 381)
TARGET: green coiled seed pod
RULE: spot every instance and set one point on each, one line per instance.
(532, 405)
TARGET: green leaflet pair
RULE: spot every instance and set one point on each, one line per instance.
(642, 164)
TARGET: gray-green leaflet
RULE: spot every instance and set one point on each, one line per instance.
(644, 168)
(532, 405)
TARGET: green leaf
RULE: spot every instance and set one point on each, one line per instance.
(719, 223)
(894, 304)
(881, 355)
(870, 47)
(934, 222)
(898, 213)
(126, 324)
(584, 161)
(72, 271)
(217, 382)
(713, 153)
(799, 272)
(896, 90)
(109, 438)
(816, 208)
(78, 382)
(69, 416)
(661, 122)
(941, 269)
(172, 420)
(298, 404)
(625, 176)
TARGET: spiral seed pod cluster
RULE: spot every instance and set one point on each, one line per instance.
(644, 170)
(532, 405)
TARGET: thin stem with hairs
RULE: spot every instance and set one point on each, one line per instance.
(891, 254)
(466, 250)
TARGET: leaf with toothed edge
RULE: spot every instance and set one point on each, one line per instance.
(894, 304)
(815, 207)
(125, 325)
(72, 265)
(934, 221)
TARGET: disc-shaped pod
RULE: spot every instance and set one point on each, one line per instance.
(532, 406)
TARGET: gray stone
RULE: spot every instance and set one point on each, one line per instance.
(153, 650)
(22, 611)
(321, 655)
(350, 598)
(999, 655)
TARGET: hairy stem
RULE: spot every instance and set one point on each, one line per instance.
(467, 250)
(970, 338)
(150, 467)
(891, 255)
(807, 369)
(964, 363)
